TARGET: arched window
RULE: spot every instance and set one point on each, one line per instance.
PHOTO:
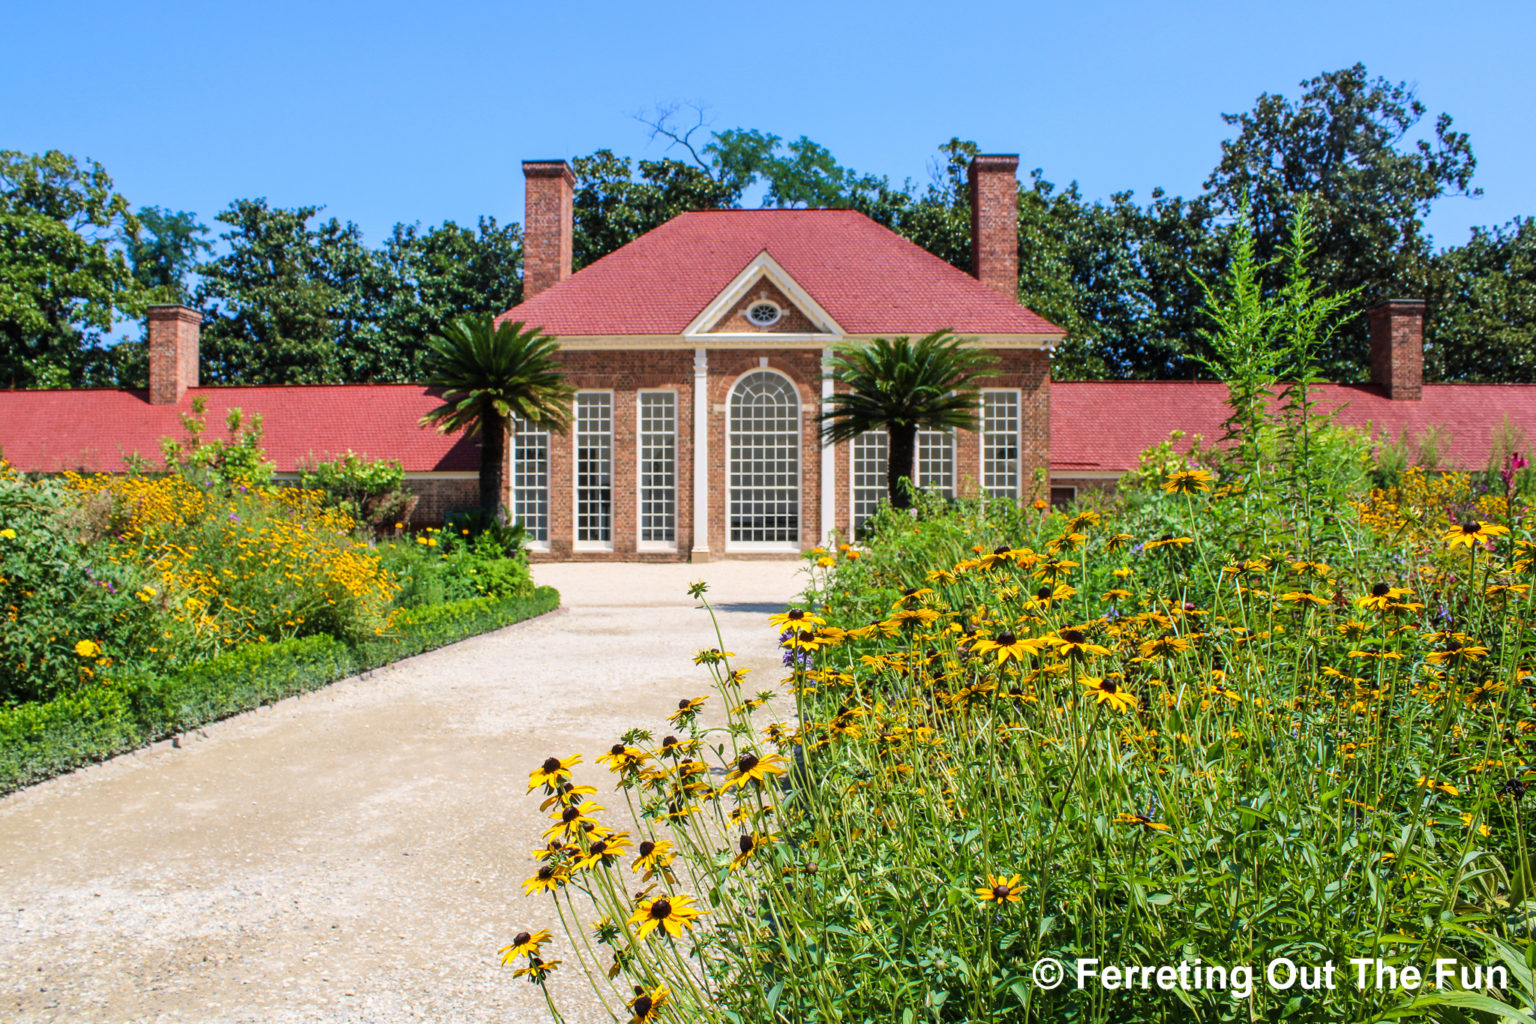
(764, 461)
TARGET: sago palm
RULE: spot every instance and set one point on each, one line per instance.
(493, 377)
(901, 387)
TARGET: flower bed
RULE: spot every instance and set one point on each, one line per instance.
(1189, 731)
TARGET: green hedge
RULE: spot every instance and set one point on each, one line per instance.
(48, 738)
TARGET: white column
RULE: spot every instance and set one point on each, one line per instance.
(828, 456)
(701, 453)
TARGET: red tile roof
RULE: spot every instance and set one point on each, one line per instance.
(51, 431)
(1100, 426)
(868, 278)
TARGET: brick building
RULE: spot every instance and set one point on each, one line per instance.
(698, 354)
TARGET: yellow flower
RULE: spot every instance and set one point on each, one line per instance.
(1001, 890)
(88, 649)
(1107, 691)
(1008, 645)
(8, 533)
(1189, 481)
(673, 913)
(523, 943)
(1471, 533)
(551, 772)
(752, 768)
(646, 1004)
(1141, 820)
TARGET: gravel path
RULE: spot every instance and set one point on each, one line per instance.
(355, 854)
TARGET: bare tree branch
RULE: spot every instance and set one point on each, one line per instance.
(660, 122)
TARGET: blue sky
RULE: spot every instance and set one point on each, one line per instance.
(388, 112)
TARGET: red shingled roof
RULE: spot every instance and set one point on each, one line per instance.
(1101, 426)
(868, 278)
(51, 431)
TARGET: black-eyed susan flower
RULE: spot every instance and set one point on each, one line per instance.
(1083, 520)
(672, 913)
(1000, 557)
(1142, 821)
(1457, 650)
(647, 1003)
(1475, 532)
(1074, 643)
(654, 857)
(1167, 540)
(1436, 785)
(751, 767)
(567, 793)
(1108, 691)
(549, 878)
(795, 618)
(1189, 481)
(537, 970)
(1381, 596)
(621, 758)
(603, 851)
(1000, 890)
(1008, 645)
(748, 846)
(1167, 645)
(524, 944)
(571, 820)
(687, 710)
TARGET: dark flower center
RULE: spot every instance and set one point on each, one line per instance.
(618, 748)
(795, 615)
(661, 910)
(551, 765)
(1044, 593)
(668, 741)
(1108, 686)
(1166, 536)
(521, 939)
(1380, 590)
(1470, 529)
(647, 848)
(1001, 549)
(747, 762)
(1006, 639)
(570, 814)
(1001, 892)
(684, 704)
(546, 873)
(642, 1006)
(1074, 636)
(600, 847)
(909, 592)
(746, 844)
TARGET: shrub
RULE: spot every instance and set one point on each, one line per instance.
(70, 614)
(370, 491)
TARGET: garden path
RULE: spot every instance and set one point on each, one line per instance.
(355, 854)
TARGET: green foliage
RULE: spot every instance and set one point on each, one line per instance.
(1481, 319)
(63, 281)
(901, 387)
(371, 490)
(47, 738)
(165, 251)
(458, 563)
(614, 206)
(69, 612)
(492, 377)
(1342, 145)
(231, 461)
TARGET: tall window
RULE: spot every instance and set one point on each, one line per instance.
(936, 462)
(658, 466)
(764, 467)
(594, 467)
(1000, 443)
(530, 481)
(869, 462)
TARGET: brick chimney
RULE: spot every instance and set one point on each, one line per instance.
(995, 222)
(1397, 347)
(546, 224)
(173, 332)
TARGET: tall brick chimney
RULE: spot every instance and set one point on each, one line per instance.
(995, 222)
(173, 335)
(546, 224)
(1397, 347)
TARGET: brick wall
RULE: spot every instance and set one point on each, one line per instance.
(793, 321)
(547, 224)
(437, 496)
(1028, 370)
(1397, 347)
(173, 352)
(624, 375)
(995, 222)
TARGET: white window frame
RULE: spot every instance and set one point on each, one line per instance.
(1018, 445)
(948, 487)
(747, 546)
(640, 543)
(854, 522)
(590, 545)
(512, 505)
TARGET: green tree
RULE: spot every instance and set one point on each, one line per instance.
(1347, 143)
(1481, 314)
(902, 387)
(425, 278)
(165, 251)
(64, 279)
(493, 377)
(286, 301)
